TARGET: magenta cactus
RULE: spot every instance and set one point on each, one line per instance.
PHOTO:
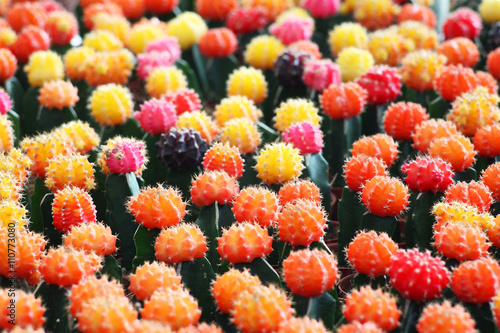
(157, 116)
(426, 174)
(5, 102)
(306, 137)
(147, 62)
(321, 8)
(319, 74)
(166, 44)
(293, 29)
(127, 155)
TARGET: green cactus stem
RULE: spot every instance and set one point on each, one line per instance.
(190, 75)
(350, 213)
(208, 221)
(322, 308)
(144, 240)
(271, 101)
(197, 276)
(16, 126)
(54, 236)
(156, 172)
(261, 268)
(483, 316)
(419, 223)
(249, 176)
(48, 119)
(55, 300)
(387, 224)
(317, 170)
(29, 111)
(130, 128)
(16, 92)
(194, 60)
(466, 175)
(111, 269)
(366, 280)
(118, 190)
(218, 71)
(39, 192)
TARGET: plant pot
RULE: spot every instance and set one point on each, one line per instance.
(345, 286)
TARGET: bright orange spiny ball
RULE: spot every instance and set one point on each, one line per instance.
(91, 237)
(401, 119)
(106, 67)
(61, 26)
(301, 222)
(215, 10)
(256, 205)
(92, 287)
(375, 14)
(485, 79)
(223, 157)
(458, 150)
(476, 281)
(199, 121)
(342, 101)
(490, 179)
(201, 328)
(65, 267)
(72, 206)
(244, 242)
(106, 314)
(158, 207)
(310, 273)
(453, 81)
(175, 307)
(58, 94)
(153, 276)
(182, 242)
(302, 325)
(429, 130)
(361, 168)
(357, 327)
(370, 253)
(227, 287)
(93, 9)
(261, 309)
(472, 193)
(444, 317)
(486, 140)
(279, 163)
(494, 233)
(70, 170)
(496, 308)
(379, 145)
(212, 186)
(6, 134)
(84, 137)
(369, 305)
(43, 147)
(8, 64)
(28, 310)
(459, 51)
(299, 189)
(27, 253)
(385, 196)
(461, 242)
(151, 326)
(241, 133)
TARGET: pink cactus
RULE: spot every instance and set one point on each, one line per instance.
(149, 61)
(306, 137)
(321, 8)
(128, 155)
(157, 116)
(293, 29)
(166, 44)
(5, 102)
(426, 174)
(320, 74)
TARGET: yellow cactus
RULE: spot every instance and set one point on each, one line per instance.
(262, 51)
(188, 27)
(70, 170)
(241, 133)
(345, 35)
(249, 82)
(9, 188)
(83, 136)
(199, 121)
(458, 212)
(354, 62)
(236, 107)
(12, 212)
(116, 24)
(44, 66)
(163, 80)
(75, 61)
(111, 104)
(490, 11)
(17, 164)
(6, 134)
(143, 34)
(422, 36)
(296, 111)
(279, 163)
(419, 69)
(102, 40)
(388, 47)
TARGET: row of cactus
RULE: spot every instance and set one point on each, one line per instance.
(171, 170)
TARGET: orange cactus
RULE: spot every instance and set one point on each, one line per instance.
(153, 276)
(302, 325)
(458, 150)
(459, 51)
(368, 305)
(357, 327)
(343, 101)
(301, 222)
(223, 157)
(201, 328)
(91, 237)
(93, 9)
(244, 242)
(310, 273)
(58, 94)
(66, 267)
(151, 326)
(476, 281)
(461, 242)
(158, 207)
(485, 79)
(411, 12)
(92, 287)
(212, 186)
(215, 10)
(183, 242)
(108, 67)
(28, 311)
(453, 81)
(375, 14)
(42, 147)
(361, 168)
(429, 130)
(492, 63)
(27, 253)
(106, 314)
(496, 308)
(256, 205)
(227, 287)
(401, 119)
(385, 196)
(486, 140)
(72, 206)
(172, 306)
(299, 189)
(494, 233)
(379, 145)
(70, 170)
(370, 253)
(241, 133)
(445, 318)
(419, 69)
(24, 14)
(490, 179)
(472, 193)
(8, 64)
(261, 309)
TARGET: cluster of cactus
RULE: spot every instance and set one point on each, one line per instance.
(254, 166)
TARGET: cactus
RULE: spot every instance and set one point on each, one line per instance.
(91, 237)
(461, 242)
(153, 276)
(256, 205)
(28, 251)
(279, 163)
(72, 206)
(473, 193)
(223, 157)
(184, 100)
(31, 316)
(256, 243)
(445, 317)
(70, 170)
